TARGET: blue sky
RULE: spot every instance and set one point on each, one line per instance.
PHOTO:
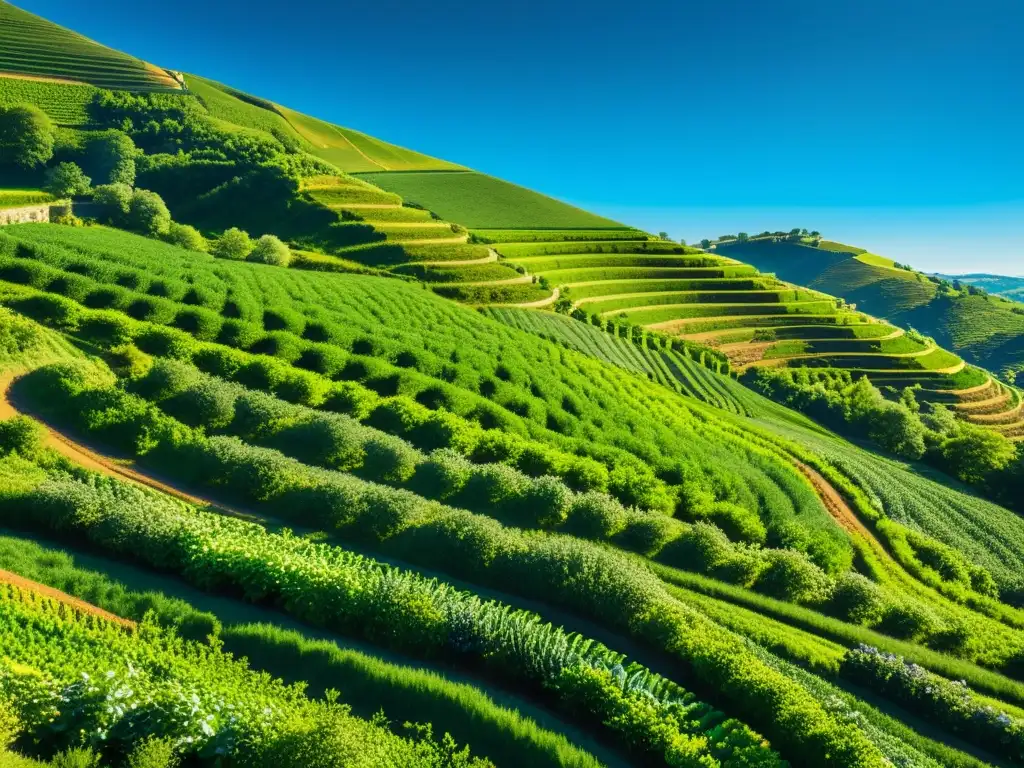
(896, 125)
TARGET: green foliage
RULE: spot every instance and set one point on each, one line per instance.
(66, 180)
(148, 214)
(233, 244)
(189, 238)
(947, 703)
(26, 136)
(115, 199)
(269, 250)
(21, 435)
(111, 158)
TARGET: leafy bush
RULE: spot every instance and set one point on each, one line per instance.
(66, 180)
(270, 250)
(234, 244)
(189, 238)
(26, 136)
(148, 214)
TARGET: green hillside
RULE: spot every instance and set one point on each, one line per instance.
(478, 201)
(34, 47)
(316, 451)
(985, 330)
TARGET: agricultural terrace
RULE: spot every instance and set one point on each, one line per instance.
(33, 47)
(429, 437)
(983, 329)
(66, 103)
(752, 317)
(16, 198)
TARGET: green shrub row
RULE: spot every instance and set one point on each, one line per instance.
(397, 609)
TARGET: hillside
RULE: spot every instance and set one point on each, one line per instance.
(35, 48)
(425, 469)
(985, 330)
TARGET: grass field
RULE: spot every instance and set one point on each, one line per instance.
(478, 201)
(32, 46)
(66, 104)
(15, 198)
(353, 152)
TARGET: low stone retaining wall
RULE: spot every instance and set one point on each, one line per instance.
(25, 214)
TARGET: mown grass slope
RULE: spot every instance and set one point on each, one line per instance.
(478, 201)
(35, 47)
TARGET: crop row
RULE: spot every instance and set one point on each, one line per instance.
(370, 683)
(402, 341)
(397, 609)
(648, 247)
(73, 679)
(637, 311)
(554, 235)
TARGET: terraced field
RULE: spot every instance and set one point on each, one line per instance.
(753, 317)
(363, 401)
(985, 330)
(36, 48)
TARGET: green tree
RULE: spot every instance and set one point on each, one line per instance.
(115, 199)
(682, 241)
(975, 452)
(705, 243)
(148, 213)
(111, 158)
(663, 235)
(66, 180)
(270, 250)
(26, 136)
(742, 237)
(233, 244)
(187, 237)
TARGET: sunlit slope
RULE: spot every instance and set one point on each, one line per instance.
(34, 47)
(985, 330)
(478, 201)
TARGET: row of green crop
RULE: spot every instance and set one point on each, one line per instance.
(650, 247)
(518, 293)
(457, 274)
(369, 683)
(554, 235)
(797, 298)
(441, 354)
(653, 284)
(330, 587)
(72, 680)
(637, 311)
(681, 266)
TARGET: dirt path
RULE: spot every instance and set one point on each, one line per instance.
(535, 304)
(97, 462)
(836, 504)
(6, 577)
(41, 78)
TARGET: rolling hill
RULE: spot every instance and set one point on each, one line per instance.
(1000, 285)
(984, 329)
(309, 511)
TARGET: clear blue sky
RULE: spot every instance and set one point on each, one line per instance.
(897, 125)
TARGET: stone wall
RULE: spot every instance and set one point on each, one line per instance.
(25, 214)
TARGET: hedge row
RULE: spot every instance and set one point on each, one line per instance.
(396, 609)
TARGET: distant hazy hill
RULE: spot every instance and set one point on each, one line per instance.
(1001, 285)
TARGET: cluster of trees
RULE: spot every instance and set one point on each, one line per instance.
(932, 433)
